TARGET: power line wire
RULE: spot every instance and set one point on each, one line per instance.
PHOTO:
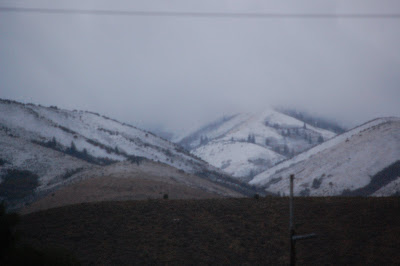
(197, 14)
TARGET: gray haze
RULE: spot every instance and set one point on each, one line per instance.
(176, 73)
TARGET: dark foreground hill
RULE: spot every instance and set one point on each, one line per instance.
(221, 231)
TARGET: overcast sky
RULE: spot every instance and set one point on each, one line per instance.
(178, 72)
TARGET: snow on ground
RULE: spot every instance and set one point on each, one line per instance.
(253, 126)
(390, 189)
(214, 129)
(285, 121)
(259, 179)
(48, 164)
(256, 124)
(345, 162)
(102, 137)
(228, 125)
(266, 126)
(240, 159)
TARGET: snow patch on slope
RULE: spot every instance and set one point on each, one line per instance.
(240, 159)
(390, 189)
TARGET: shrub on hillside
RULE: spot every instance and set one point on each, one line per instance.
(316, 183)
(18, 184)
(12, 252)
(2, 162)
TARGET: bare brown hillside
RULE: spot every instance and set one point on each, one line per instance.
(126, 181)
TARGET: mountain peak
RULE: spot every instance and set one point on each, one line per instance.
(240, 142)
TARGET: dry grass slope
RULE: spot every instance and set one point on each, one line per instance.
(126, 181)
(222, 231)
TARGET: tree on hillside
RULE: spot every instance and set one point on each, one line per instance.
(73, 147)
(53, 142)
(285, 150)
(267, 141)
(251, 138)
(203, 140)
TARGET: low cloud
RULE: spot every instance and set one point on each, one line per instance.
(180, 72)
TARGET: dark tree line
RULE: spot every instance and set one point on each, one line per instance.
(251, 138)
(315, 121)
(73, 151)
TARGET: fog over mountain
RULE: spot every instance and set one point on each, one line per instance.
(176, 73)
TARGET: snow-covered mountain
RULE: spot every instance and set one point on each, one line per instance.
(32, 175)
(49, 165)
(49, 145)
(91, 134)
(246, 144)
(362, 161)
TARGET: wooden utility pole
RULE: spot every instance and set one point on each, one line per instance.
(291, 225)
(293, 236)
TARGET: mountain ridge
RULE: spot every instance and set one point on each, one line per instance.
(269, 136)
(55, 146)
(359, 153)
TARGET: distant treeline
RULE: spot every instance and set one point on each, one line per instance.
(72, 150)
(315, 121)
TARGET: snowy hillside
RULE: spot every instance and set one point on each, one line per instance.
(28, 169)
(31, 173)
(93, 137)
(247, 144)
(44, 148)
(346, 164)
(50, 165)
(242, 160)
